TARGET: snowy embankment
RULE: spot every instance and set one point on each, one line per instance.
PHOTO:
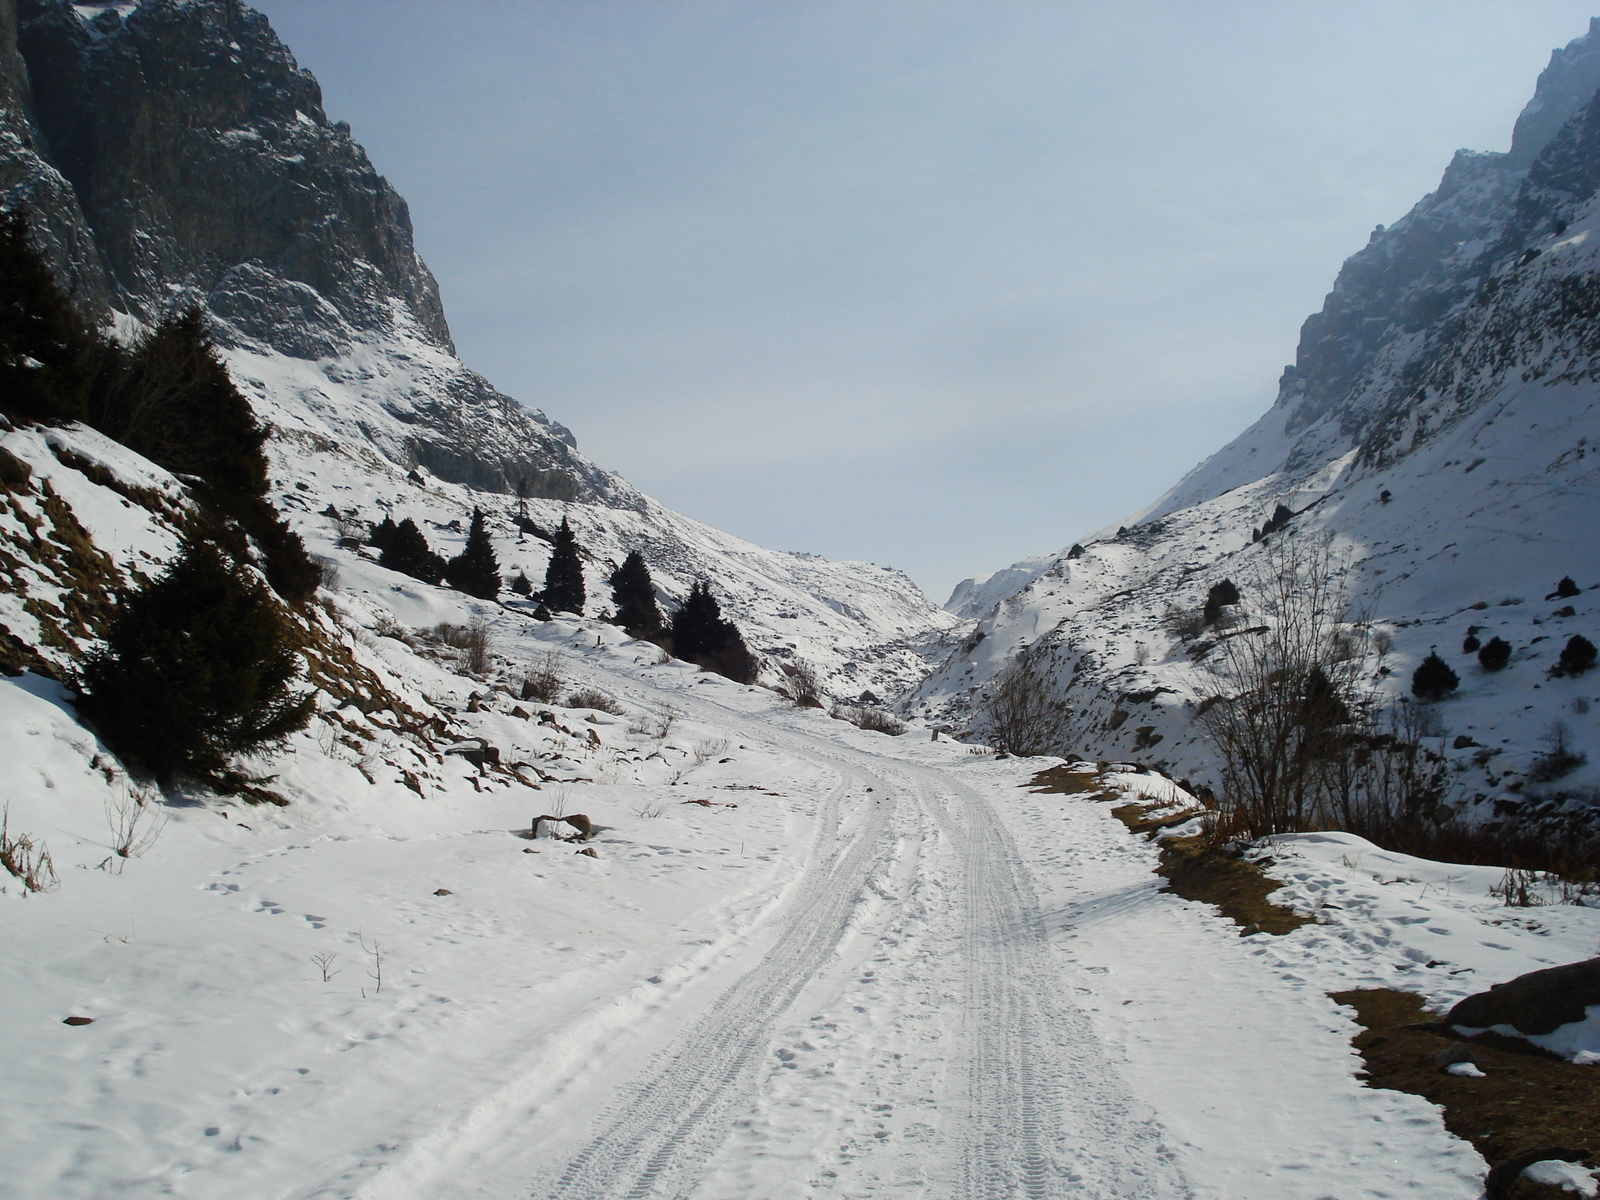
(864, 964)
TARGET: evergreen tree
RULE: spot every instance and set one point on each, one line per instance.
(1495, 654)
(48, 355)
(197, 667)
(475, 570)
(409, 552)
(172, 400)
(634, 595)
(1220, 595)
(522, 585)
(700, 635)
(1577, 656)
(1433, 679)
(563, 578)
(382, 534)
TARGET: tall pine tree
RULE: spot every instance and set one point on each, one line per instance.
(197, 667)
(700, 635)
(475, 570)
(563, 578)
(634, 595)
(408, 551)
(47, 353)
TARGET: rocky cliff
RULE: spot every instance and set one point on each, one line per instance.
(1436, 427)
(173, 153)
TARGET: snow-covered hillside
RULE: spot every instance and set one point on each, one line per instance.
(255, 206)
(1439, 426)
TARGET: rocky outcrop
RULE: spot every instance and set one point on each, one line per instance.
(171, 153)
(1534, 1004)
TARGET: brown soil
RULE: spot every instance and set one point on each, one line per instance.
(1239, 888)
(1194, 869)
(1528, 1099)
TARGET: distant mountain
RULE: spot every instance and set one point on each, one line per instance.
(172, 153)
(1439, 422)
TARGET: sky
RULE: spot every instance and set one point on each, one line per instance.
(936, 285)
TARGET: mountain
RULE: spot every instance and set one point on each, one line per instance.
(171, 153)
(1437, 425)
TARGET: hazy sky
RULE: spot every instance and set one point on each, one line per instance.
(937, 285)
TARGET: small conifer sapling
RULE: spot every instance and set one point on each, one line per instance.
(1433, 679)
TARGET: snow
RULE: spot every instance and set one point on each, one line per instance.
(1570, 1176)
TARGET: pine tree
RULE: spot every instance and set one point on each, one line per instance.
(48, 355)
(1220, 595)
(563, 578)
(522, 585)
(382, 534)
(409, 552)
(475, 570)
(700, 635)
(172, 400)
(197, 667)
(1433, 679)
(1577, 656)
(1495, 654)
(634, 595)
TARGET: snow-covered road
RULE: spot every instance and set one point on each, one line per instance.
(888, 971)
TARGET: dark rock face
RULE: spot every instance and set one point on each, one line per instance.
(195, 144)
(1537, 1003)
(1405, 302)
(172, 153)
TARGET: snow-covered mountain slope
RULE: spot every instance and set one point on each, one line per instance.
(1438, 424)
(171, 152)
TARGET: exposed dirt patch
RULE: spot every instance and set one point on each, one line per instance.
(1527, 1099)
(1194, 868)
(1065, 780)
(1238, 887)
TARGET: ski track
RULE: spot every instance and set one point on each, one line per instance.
(1025, 1102)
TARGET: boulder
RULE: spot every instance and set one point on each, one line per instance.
(1537, 1003)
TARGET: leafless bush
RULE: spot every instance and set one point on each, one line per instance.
(650, 812)
(388, 627)
(705, 751)
(588, 697)
(136, 824)
(26, 859)
(656, 723)
(1184, 624)
(1141, 653)
(327, 573)
(1021, 713)
(1282, 697)
(804, 684)
(324, 962)
(1558, 758)
(471, 639)
(543, 680)
(346, 525)
(874, 719)
(1519, 888)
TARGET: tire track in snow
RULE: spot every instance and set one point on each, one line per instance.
(678, 1112)
(1044, 1113)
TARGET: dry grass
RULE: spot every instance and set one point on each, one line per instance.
(26, 859)
(1527, 1099)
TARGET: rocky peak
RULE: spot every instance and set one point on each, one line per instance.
(206, 167)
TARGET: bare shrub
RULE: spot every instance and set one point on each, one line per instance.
(705, 751)
(1284, 694)
(471, 640)
(327, 573)
(804, 684)
(874, 719)
(324, 963)
(1559, 758)
(1021, 713)
(1519, 888)
(588, 697)
(26, 859)
(656, 723)
(543, 679)
(136, 825)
